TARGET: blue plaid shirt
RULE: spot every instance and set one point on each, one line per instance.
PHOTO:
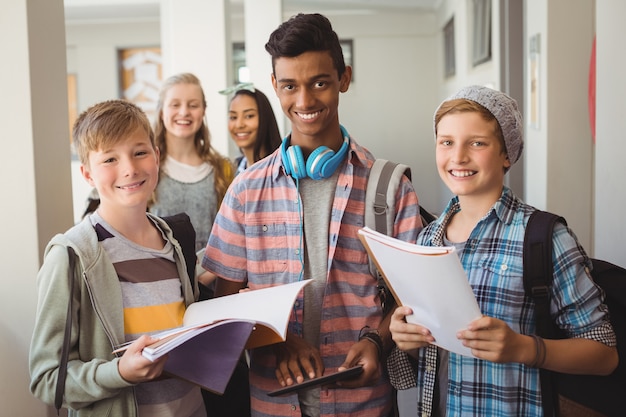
(492, 259)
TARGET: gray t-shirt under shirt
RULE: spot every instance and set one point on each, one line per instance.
(316, 197)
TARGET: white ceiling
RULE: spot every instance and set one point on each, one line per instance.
(84, 11)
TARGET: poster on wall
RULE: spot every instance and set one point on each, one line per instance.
(140, 77)
(534, 81)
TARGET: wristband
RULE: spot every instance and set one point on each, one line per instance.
(372, 336)
(540, 352)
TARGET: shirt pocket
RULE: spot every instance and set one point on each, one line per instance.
(270, 247)
(499, 287)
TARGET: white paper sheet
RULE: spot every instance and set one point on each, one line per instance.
(435, 286)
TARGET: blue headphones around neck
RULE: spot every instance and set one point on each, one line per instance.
(321, 164)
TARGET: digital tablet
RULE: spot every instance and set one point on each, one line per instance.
(321, 380)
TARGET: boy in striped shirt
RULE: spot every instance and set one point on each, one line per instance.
(295, 215)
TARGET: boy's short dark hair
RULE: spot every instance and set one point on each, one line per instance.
(304, 33)
(105, 124)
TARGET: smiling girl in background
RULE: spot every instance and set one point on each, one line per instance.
(252, 124)
(193, 176)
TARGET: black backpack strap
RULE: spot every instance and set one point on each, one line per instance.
(538, 273)
(65, 350)
(185, 234)
(427, 216)
(538, 268)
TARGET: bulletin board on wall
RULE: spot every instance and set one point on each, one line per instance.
(141, 77)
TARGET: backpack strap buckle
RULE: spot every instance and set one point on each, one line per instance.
(539, 291)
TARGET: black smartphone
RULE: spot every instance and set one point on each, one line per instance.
(320, 380)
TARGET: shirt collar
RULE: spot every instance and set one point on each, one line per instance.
(504, 210)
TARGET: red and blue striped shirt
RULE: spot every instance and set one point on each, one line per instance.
(256, 240)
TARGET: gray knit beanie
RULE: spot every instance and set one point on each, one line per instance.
(504, 109)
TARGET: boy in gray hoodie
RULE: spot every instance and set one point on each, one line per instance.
(130, 281)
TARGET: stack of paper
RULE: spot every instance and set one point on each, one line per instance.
(431, 281)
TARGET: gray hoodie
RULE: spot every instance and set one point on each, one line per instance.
(93, 386)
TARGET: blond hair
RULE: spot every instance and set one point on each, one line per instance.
(105, 124)
(202, 139)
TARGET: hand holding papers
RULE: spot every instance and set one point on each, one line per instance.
(215, 332)
(431, 281)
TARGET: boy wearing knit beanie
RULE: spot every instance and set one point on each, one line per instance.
(478, 138)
